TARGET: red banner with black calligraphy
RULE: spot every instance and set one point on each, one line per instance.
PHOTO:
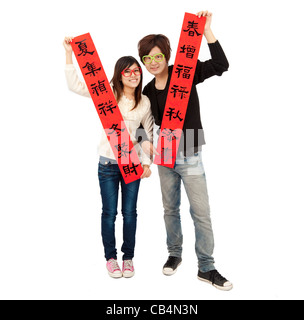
(181, 82)
(107, 107)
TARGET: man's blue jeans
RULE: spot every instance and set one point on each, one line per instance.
(109, 180)
(190, 170)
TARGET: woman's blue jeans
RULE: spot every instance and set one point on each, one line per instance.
(109, 180)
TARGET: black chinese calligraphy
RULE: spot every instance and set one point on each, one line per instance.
(179, 91)
(189, 51)
(172, 114)
(171, 134)
(99, 87)
(128, 170)
(82, 46)
(123, 150)
(106, 107)
(116, 130)
(166, 155)
(91, 68)
(192, 29)
(183, 71)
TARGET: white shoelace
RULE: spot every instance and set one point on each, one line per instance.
(128, 264)
(114, 264)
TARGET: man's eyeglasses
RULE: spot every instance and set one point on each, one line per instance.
(128, 72)
(159, 57)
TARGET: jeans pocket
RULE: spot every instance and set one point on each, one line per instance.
(195, 165)
(104, 169)
(193, 160)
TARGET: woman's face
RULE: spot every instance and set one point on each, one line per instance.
(131, 76)
(156, 68)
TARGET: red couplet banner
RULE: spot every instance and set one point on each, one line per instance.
(107, 108)
(180, 89)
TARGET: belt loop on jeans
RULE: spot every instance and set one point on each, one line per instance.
(105, 160)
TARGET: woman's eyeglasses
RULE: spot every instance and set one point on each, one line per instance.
(159, 57)
(128, 72)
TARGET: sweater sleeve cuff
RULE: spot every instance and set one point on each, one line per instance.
(69, 67)
(147, 163)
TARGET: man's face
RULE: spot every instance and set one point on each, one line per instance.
(156, 68)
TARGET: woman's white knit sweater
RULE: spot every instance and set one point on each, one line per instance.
(141, 115)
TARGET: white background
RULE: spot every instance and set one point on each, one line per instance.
(50, 243)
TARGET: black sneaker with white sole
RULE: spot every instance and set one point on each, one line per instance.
(213, 277)
(171, 265)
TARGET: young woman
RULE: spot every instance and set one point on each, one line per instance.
(135, 109)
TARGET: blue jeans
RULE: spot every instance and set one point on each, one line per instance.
(190, 170)
(109, 180)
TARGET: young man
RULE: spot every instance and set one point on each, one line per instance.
(154, 50)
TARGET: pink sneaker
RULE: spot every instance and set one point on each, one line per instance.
(113, 269)
(128, 269)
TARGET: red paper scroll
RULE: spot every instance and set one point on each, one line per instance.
(107, 108)
(179, 89)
